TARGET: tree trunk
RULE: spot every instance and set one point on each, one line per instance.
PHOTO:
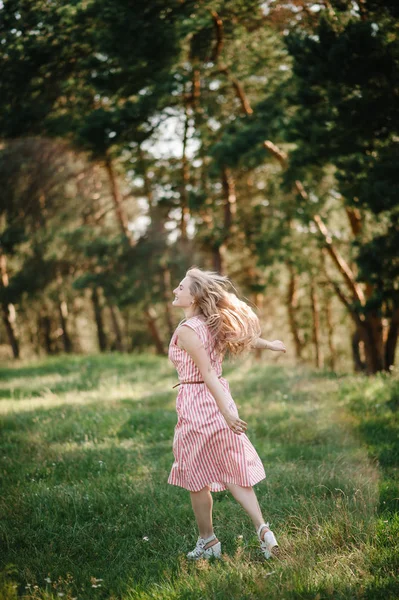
(372, 335)
(195, 87)
(258, 302)
(117, 200)
(292, 307)
(44, 326)
(218, 258)
(8, 315)
(98, 315)
(316, 326)
(392, 338)
(330, 333)
(8, 310)
(151, 316)
(63, 312)
(230, 207)
(359, 364)
(229, 200)
(118, 343)
(219, 37)
(147, 185)
(185, 179)
(167, 294)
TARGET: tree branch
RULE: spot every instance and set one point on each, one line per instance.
(219, 36)
(342, 265)
(224, 69)
(239, 90)
(355, 220)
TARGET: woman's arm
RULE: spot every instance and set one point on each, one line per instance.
(191, 343)
(262, 344)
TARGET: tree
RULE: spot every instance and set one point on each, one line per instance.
(345, 73)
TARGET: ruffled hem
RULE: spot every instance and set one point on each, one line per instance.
(215, 486)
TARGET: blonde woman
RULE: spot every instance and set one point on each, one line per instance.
(212, 452)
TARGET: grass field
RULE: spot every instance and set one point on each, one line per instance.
(86, 513)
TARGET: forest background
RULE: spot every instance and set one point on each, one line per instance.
(259, 139)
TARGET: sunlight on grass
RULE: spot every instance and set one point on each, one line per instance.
(106, 392)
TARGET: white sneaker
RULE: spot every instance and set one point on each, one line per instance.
(268, 543)
(201, 552)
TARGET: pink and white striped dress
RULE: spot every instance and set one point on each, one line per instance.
(206, 450)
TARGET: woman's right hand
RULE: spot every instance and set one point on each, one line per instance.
(277, 346)
(236, 424)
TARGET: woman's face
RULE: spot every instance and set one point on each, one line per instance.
(183, 298)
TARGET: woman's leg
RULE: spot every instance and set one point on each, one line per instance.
(247, 498)
(202, 503)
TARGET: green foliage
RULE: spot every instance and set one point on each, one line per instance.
(34, 176)
(348, 117)
(109, 75)
(96, 70)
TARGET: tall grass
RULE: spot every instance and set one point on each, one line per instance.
(86, 511)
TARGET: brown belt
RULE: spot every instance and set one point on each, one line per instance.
(190, 382)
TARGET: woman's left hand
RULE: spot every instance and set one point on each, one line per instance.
(235, 423)
(277, 346)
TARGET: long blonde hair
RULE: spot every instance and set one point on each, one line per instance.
(233, 324)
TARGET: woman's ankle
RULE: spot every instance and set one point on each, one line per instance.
(262, 529)
(207, 536)
(211, 543)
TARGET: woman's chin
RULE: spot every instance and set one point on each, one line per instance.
(176, 304)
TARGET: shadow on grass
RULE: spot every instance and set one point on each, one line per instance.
(67, 363)
(378, 426)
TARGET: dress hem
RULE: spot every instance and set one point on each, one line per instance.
(258, 480)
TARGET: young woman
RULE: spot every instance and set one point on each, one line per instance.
(212, 452)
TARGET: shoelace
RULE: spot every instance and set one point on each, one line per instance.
(201, 543)
(198, 550)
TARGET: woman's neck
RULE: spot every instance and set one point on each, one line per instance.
(192, 312)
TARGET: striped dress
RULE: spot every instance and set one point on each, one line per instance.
(206, 451)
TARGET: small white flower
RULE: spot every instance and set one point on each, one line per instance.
(47, 579)
(146, 539)
(60, 594)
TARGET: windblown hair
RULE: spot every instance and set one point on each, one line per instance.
(233, 323)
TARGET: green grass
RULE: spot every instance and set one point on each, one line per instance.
(86, 512)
